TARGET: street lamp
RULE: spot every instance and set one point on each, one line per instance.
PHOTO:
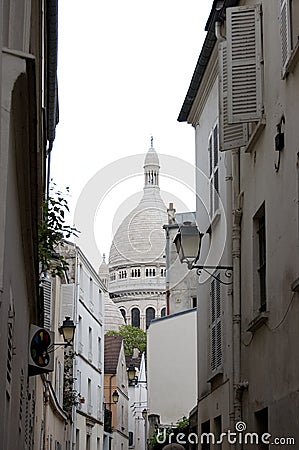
(115, 396)
(131, 371)
(68, 330)
(188, 245)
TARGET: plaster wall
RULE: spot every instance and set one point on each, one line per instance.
(172, 366)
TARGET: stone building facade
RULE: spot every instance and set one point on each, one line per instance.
(243, 104)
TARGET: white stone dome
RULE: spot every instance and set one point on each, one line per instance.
(140, 239)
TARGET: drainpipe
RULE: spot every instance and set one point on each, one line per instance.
(236, 255)
(46, 411)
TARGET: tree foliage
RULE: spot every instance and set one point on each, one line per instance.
(133, 338)
(52, 229)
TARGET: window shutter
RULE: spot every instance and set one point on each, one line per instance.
(244, 69)
(230, 135)
(67, 301)
(47, 297)
(213, 326)
(285, 33)
(216, 325)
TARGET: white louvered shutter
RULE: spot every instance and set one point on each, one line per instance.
(285, 33)
(216, 326)
(230, 135)
(47, 298)
(67, 301)
(213, 325)
(244, 69)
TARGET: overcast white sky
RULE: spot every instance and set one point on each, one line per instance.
(124, 70)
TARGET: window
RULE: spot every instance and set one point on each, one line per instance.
(135, 313)
(194, 302)
(205, 437)
(112, 276)
(80, 345)
(131, 438)
(91, 289)
(150, 315)
(217, 432)
(89, 391)
(135, 273)
(99, 352)
(87, 442)
(213, 171)
(163, 312)
(150, 272)
(285, 34)
(215, 327)
(124, 314)
(122, 274)
(79, 381)
(163, 272)
(261, 420)
(259, 254)
(90, 344)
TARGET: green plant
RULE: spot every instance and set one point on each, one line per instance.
(183, 422)
(133, 338)
(52, 230)
(70, 395)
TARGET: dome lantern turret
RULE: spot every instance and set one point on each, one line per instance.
(151, 168)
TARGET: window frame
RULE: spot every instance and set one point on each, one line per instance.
(213, 155)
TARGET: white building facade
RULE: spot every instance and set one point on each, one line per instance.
(83, 299)
(172, 366)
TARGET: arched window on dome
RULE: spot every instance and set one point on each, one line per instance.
(150, 315)
(163, 312)
(135, 317)
(135, 273)
(124, 314)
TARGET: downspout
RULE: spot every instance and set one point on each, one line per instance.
(46, 411)
(236, 257)
(167, 270)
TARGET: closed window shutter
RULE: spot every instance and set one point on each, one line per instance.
(285, 32)
(230, 135)
(67, 301)
(213, 325)
(244, 68)
(216, 325)
(47, 297)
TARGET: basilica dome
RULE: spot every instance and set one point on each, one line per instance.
(140, 238)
